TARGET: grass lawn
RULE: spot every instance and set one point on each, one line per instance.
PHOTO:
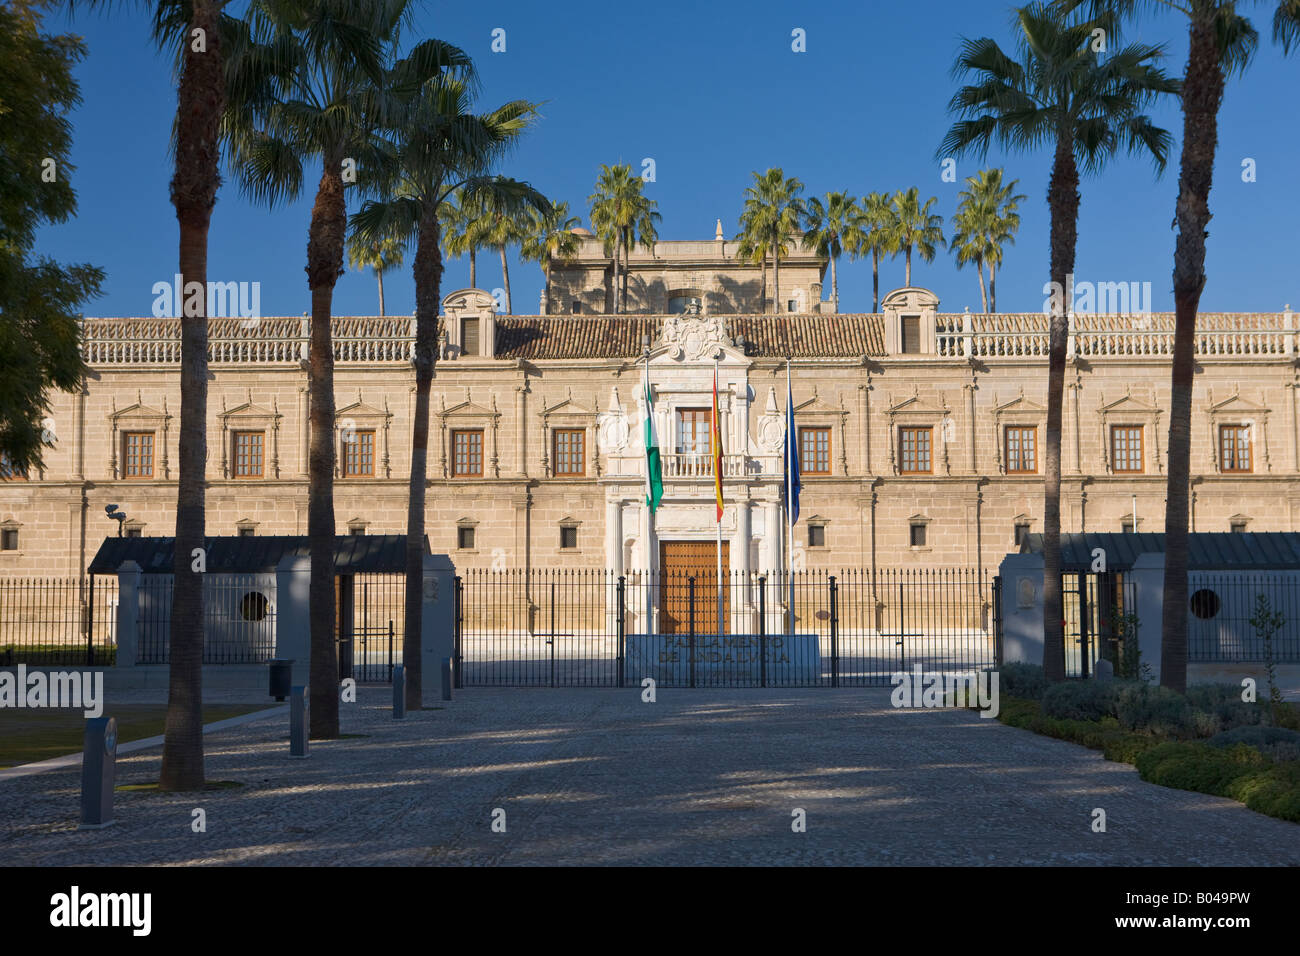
(30, 735)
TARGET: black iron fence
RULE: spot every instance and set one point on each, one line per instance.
(1243, 616)
(565, 627)
(53, 621)
(238, 618)
(371, 624)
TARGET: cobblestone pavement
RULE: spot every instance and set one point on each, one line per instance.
(598, 777)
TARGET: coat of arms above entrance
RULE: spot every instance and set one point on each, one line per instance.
(694, 337)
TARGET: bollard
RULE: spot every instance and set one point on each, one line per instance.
(281, 678)
(98, 773)
(399, 692)
(299, 722)
(446, 678)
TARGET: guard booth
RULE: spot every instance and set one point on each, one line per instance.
(241, 601)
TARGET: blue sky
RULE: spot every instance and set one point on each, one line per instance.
(712, 92)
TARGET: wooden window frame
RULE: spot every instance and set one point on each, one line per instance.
(1241, 430)
(473, 535)
(902, 449)
(1006, 449)
(581, 434)
(126, 458)
(235, 436)
(804, 463)
(352, 454)
(1141, 450)
(455, 455)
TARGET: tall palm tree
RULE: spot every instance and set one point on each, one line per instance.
(831, 228)
(753, 249)
(321, 105)
(916, 228)
(774, 211)
(986, 219)
(1220, 43)
(503, 226)
(461, 222)
(550, 239)
(439, 147)
(381, 255)
(622, 216)
(1057, 91)
(875, 234)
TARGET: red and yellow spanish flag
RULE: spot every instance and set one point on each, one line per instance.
(716, 442)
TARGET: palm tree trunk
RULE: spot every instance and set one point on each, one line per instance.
(835, 286)
(548, 284)
(762, 289)
(201, 99)
(1063, 198)
(613, 292)
(993, 289)
(776, 281)
(505, 278)
(875, 281)
(984, 296)
(473, 269)
(380, 276)
(324, 266)
(428, 286)
(1202, 96)
(907, 280)
(627, 268)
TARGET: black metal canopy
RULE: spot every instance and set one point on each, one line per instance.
(1206, 551)
(353, 553)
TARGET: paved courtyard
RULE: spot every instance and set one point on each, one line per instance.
(598, 777)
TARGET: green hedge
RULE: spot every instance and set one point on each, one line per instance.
(1240, 772)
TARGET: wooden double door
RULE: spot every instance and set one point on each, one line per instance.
(678, 562)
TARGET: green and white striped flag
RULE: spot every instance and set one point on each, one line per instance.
(654, 475)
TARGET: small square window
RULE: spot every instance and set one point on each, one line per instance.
(1237, 527)
(9, 539)
(246, 531)
(465, 539)
(575, 307)
(1126, 527)
(1022, 530)
(917, 535)
(133, 532)
(357, 530)
(816, 536)
(568, 537)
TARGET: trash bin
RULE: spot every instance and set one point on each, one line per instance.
(281, 677)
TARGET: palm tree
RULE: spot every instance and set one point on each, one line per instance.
(875, 234)
(380, 255)
(623, 217)
(461, 223)
(1221, 42)
(986, 218)
(831, 228)
(439, 147)
(503, 226)
(915, 227)
(550, 239)
(753, 250)
(773, 212)
(321, 105)
(1087, 106)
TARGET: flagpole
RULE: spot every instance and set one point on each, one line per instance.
(650, 512)
(717, 464)
(789, 499)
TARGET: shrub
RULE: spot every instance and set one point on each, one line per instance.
(1080, 700)
(1277, 743)
(1153, 709)
(1022, 680)
(1239, 772)
(1219, 707)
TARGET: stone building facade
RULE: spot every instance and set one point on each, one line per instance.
(921, 434)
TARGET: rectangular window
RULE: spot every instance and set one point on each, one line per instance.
(467, 453)
(1126, 448)
(1234, 448)
(465, 539)
(694, 440)
(914, 445)
(568, 537)
(249, 448)
(916, 535)
(359, 455)
(1237, 527)
(570, 451)
(8, 472)
(1021, 531)
(1022, 450)
(815, 451)
(1126, 527)
(9, 539)
(909, 328)
(137, 455)
(469, 336)
(133, 533)
(245, 532)
(816, 536)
